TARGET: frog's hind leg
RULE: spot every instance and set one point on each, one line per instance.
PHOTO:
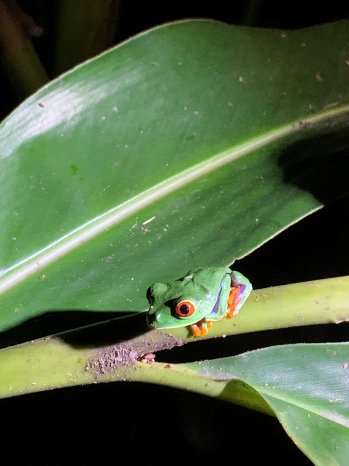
(234, 300)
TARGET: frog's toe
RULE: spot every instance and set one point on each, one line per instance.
(204, 329)
(232, 313)
(201, 328)
(196, 331)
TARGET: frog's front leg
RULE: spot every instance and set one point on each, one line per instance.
(201, 327)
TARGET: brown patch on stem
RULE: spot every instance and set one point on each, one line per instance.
(110, 358)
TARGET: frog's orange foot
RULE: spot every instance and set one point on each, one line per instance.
(231, 313)
(201, 328)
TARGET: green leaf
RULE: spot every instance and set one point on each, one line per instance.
(189, 145)
(306, 385)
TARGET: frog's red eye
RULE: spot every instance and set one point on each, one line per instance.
(185, 309)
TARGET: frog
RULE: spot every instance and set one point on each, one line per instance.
(196, 300)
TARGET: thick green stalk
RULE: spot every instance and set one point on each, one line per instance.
(309, 303)
(76, 358)
(51, 363)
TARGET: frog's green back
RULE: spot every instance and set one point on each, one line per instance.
(200, 287)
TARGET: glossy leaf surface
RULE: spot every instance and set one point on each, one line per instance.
(188, 145)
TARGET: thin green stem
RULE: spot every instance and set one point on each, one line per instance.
(18, 56)
(84, 28)
(252, 13)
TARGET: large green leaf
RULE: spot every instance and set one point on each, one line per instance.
(307, 386)
(188, 145)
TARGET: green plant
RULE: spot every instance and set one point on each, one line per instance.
(190, 145)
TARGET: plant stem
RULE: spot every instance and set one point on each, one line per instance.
(299, 304)
(84, 28)
(19, 58)
(78, 357)
(252, 13)
(51, 363)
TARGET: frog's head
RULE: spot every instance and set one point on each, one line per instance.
(187, 300)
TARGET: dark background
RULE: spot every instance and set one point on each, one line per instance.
(158, 425)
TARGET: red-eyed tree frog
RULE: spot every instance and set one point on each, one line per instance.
(202, 296)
